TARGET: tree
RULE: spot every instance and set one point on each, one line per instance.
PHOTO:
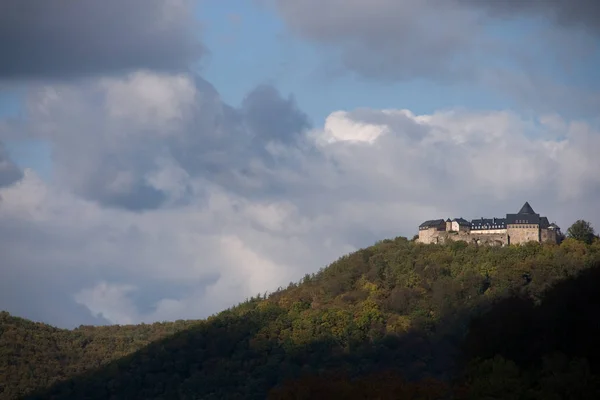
(582, 230)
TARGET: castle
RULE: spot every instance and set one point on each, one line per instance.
(522, 227)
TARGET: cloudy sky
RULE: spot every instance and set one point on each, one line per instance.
(166, 159)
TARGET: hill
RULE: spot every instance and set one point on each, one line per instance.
(395, 320)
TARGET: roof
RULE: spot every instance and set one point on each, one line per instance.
(488, 223)
(526, 209)
(522, 218)
(461, 221)
(432, 223)
(544, 223)
(526, 215)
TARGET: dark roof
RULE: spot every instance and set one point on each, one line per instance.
(431, 223)
(526, 209)
(462, 221)
(488, 223)
(526, 215)
(448, 220)
(544, 223)
(522, 218)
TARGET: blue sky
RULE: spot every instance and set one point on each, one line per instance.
(154, 197)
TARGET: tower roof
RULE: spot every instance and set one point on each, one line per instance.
(526, 209)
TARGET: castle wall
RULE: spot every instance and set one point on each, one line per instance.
(520, 234)
(494, 239)
(428, 235)
(432, 236)
(549, 236)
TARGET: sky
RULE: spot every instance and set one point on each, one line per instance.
(167, 159)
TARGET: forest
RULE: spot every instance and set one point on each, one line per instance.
(396, 320)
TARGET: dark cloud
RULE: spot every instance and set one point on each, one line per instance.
(140, 197)
(441, 40)
(119, 160)
(57, 39)
(268, 116)
(9, 172)
(573, 13)
(389, 39)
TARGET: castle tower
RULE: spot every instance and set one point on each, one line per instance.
(523, 226)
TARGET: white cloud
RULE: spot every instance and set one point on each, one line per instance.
(340, 128)
(216, 238)
(149, 99)
(110, 302)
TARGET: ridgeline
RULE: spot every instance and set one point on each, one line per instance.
(392, 321)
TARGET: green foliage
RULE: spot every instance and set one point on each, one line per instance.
(400, 306)
(583, 231)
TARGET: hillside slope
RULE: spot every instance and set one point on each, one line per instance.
(34, 355)
(397, 317)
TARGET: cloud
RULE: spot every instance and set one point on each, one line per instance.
(9, 172)
(579, 13)
(261, 104)
(497, 45)
(246, 207)
(389, 39)
(478, 158)
(537, 93)
(132, 141)
(42, 39)
(434, 39)
(129, 267)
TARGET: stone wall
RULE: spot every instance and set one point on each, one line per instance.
(493, 239)
(549, 236)
(429, 235)
(520, 234)
(435, 237)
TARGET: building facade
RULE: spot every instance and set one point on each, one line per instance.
(522, 227)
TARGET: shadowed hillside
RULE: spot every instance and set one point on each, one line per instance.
(395, 320)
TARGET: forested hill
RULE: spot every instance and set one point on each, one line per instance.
(396, 320)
